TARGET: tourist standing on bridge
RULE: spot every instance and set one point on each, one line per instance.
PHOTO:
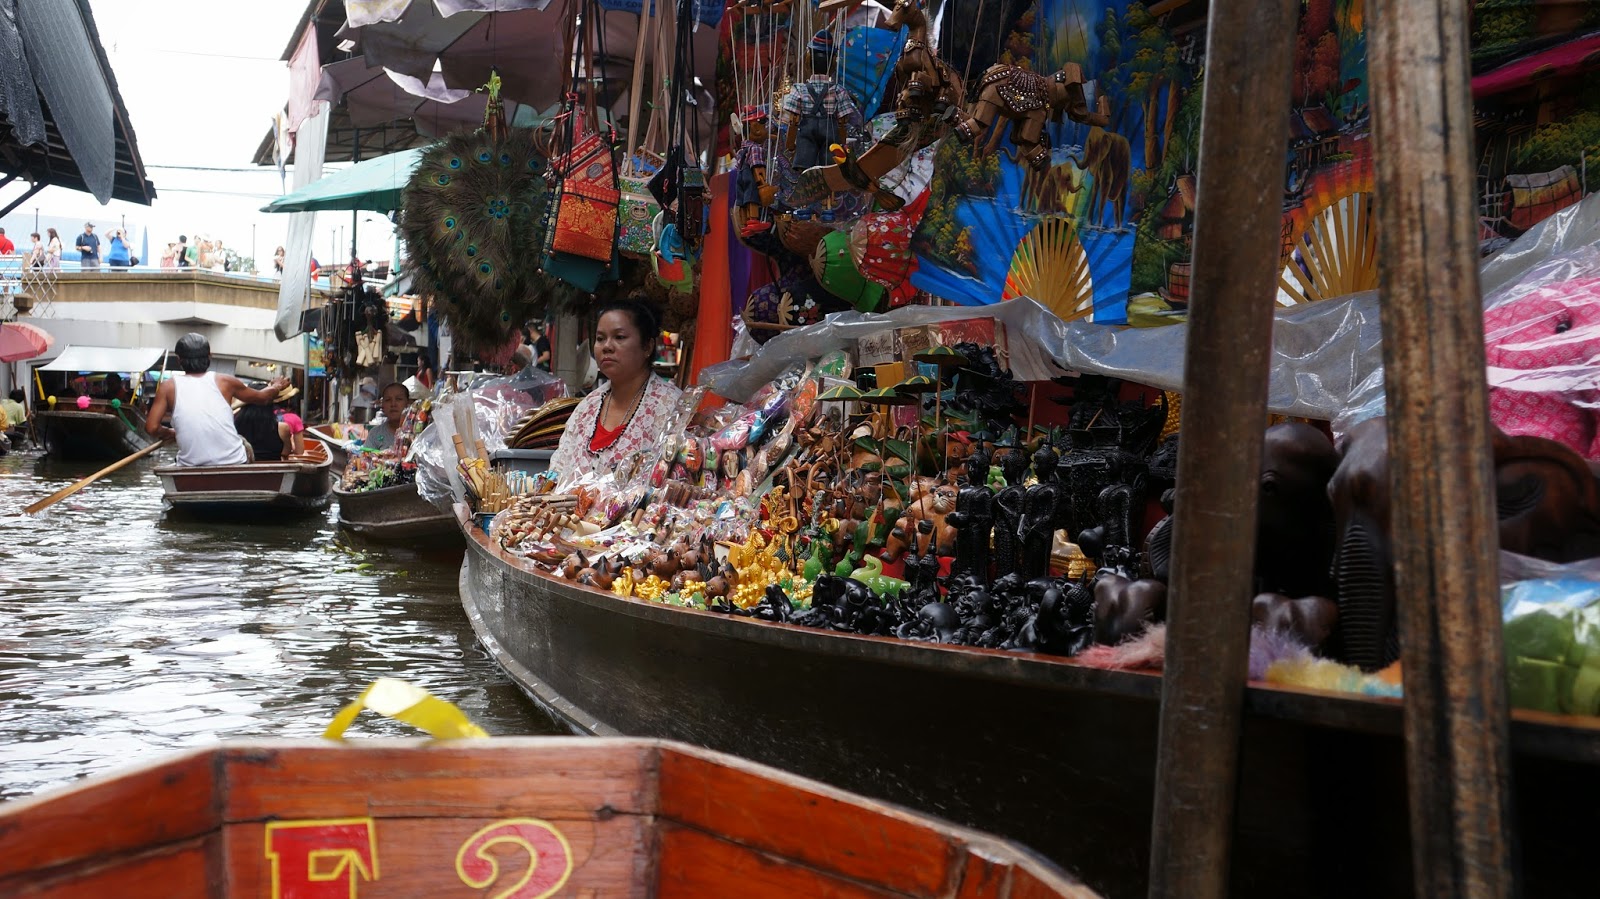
(36, 251)
(117, 255)
(53, 251)
(89, 248)
(7, 248)
(202, 421)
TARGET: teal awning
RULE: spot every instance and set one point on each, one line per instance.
(374, 184)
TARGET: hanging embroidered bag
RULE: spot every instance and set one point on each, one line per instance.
(586, 211)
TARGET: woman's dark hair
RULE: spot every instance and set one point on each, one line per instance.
(194, 353)
(643, 317)
(257, 424)
(18, 396)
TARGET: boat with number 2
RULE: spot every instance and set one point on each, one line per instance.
(512, 817)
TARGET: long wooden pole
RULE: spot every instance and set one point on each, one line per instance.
(1442, 496)
(65, 492)
(1243, 142)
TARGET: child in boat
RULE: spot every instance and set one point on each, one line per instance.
(198, 399)
(393, 402)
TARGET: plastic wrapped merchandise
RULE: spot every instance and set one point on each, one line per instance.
(1542, 348)
(434, 453)
(1552, 644)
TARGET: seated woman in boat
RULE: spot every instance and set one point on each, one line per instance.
(270, 438)
(628, 412)
(392, 402)
(198, 400)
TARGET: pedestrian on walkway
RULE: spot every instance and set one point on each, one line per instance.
(89, 248)
(53, 251)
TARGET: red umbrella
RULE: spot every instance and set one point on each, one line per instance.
(19, 341)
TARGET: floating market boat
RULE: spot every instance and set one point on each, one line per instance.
(100, 431)
(301, 484)
(1035, 748)
(393, 513)
(504, 817)
(338, 447)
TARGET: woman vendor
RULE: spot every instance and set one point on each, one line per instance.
(627, 413)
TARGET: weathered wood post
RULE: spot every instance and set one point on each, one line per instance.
(1442, 508)
(1244, 135)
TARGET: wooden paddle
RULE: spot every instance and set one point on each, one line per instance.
(65, 492)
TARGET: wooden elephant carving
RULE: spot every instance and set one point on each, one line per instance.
(1028, 100)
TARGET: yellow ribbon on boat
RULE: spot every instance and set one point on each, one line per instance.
(394, 698)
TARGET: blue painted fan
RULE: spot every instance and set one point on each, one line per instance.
(867, 64)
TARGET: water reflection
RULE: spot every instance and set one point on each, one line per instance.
(126, 631)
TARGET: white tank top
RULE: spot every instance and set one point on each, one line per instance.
(204, 422)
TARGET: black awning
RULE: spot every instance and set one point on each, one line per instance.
(86, 143)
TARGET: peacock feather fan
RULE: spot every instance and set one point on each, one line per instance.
(472, 217)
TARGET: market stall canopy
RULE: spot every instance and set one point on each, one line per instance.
(522, 45)
(375, 184)
(375, 96)
(20, 340)
(105, 358)
(78, 137)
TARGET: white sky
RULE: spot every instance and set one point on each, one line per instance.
(201, 83)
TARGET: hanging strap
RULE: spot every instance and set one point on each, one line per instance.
(635, 98)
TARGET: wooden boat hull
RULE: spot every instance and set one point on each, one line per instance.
(555, 816)
(393, 513)
(89, 434)
(1035, 748)
(338, 449)
(249, 489)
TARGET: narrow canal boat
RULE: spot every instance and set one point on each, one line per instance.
(393, 513)
(338, 447)
(1035, 748)
(303, 483)
(503, 817)
(98, 430)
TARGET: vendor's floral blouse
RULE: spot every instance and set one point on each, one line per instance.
(573, 458)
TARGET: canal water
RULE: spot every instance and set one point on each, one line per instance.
(127, 631)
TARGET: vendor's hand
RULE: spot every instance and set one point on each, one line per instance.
(167, 433)
(277, 384)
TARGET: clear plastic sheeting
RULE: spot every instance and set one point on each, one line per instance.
(1541, 336)
(498, 403)
(1321, 351)
(1327, 357)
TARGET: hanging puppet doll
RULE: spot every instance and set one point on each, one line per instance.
(816, 118)
(929, 101)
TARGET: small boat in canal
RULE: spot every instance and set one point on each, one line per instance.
(98, 430)
(340, 448)
(504, 817)
(1035, 748)
(303, 483)
(393, 513)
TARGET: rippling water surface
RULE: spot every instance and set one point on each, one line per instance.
(127, 631)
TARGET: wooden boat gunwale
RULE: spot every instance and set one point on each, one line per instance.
(1568, 737)
(665, 794)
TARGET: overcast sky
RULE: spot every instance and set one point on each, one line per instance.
(201, 83)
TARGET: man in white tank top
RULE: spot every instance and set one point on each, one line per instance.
(202, 420)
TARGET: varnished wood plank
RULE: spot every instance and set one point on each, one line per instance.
(183, 870)
(786, 816)
(1237, 238)
(1442, 496)
(488, 779)
(418, 858)
(166, 802)
(695, 865)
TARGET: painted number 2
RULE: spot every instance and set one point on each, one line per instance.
(549, 858)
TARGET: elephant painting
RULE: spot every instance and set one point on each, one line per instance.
(1028, 100)
(1106, 157)
(1057, 190)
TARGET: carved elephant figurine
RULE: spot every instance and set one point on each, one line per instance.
(1546, 499)
(1028, 100)
(1555, 326)
(1294, 524)
(1123, 607)
(1108, 160)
